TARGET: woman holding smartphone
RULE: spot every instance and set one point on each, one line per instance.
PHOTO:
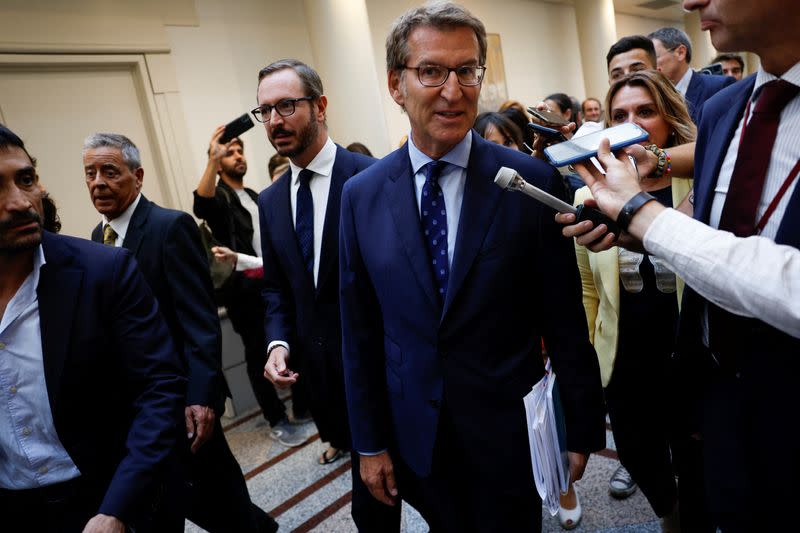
(632, 302)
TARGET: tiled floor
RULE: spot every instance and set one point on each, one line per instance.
(306, 497)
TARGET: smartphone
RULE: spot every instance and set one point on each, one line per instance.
(582, 148)
(547, 132)
(236, 127)
(548, 117)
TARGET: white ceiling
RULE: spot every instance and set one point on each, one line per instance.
(632, 7)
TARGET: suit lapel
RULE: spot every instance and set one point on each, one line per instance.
(481, 197)
(342, 169)
(133, 237)
(402, 200)
(57, 294)
(720, 137)
(97, 233)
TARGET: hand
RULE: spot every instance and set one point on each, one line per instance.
(199, 424)
(619, 184)
(377, 472)
(577, 464)
(587, 235)
(276, 370)
(646, 161)
(223, 254)
(217, 151)
(103, 523)
(540, 142)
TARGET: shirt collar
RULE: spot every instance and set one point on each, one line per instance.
(458, 156)
(26, 294)
(683, 84)
(322, 163)
(121, 223)
(792, 76)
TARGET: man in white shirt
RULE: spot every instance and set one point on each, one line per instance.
(674, 53)
(740, 329)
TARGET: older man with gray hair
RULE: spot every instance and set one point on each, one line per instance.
(673, 55)
(167, 246)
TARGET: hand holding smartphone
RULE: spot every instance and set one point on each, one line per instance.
(548, 118)
(582, 148)
(236, 127)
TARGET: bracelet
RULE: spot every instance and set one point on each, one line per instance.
(664, 164)
(629, 209)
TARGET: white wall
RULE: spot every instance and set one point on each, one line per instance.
(634, 25)
(217, 64)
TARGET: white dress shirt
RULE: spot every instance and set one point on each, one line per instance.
(683, 84)
(451, 181)
(121, 223)
(753, 276)
(32, 454)
(244, 261)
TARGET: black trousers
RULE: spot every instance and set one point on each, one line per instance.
(370, 515)
(246, 313)
(61, 508)
(643, 407)
(460, 496)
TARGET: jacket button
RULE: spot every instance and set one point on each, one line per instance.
(434, 403)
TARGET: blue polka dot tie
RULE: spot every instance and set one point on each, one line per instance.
(304, 220)
(434, 224)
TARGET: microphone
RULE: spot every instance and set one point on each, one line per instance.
(509, 179)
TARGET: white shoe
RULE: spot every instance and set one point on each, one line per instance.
(621, 484)
(570, 518)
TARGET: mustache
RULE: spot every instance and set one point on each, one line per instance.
(279, 130)
(20, 220)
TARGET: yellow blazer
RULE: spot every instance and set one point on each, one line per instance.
(600, 280)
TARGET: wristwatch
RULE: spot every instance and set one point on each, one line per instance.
(631, 207)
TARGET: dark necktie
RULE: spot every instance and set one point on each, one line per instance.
(434, 224)
(109, 235)
(304, 220)
(750, 173)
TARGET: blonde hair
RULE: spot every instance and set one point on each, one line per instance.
(669, 103)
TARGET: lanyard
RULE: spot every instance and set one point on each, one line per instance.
(784, 187)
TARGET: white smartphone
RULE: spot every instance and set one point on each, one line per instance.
(582, 148)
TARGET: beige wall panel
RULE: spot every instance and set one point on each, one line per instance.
(633, 25)
(54, 109)
(217, 66)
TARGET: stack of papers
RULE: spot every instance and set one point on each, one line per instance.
(547, 437)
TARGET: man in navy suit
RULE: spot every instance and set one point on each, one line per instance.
(167, 246)
(674, 53)
(92, 389)
(740, 322)
(299, 220)
(448, 286)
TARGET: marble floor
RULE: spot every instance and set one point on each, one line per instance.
(304, 496)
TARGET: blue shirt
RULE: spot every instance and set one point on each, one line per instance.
(451, 181)
(31, 454)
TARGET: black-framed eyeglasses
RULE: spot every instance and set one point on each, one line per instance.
(436, 75)
(285, 108)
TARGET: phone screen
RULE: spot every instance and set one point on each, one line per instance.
(585, 147)
(548, 117)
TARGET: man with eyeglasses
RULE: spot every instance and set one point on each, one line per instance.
(448, 286)
(673, 55)
(299, 220)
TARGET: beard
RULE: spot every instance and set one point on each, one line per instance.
(305, 138)
(25, 241)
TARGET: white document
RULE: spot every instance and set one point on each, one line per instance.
(547, 439)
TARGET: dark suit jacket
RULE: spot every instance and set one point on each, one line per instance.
(513, 281)
(741, 423)
(167, 246)
(115, 383)
(297, 312)
(701, 88)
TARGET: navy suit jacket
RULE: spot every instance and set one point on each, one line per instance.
(114, 381)
(513, 281)
(167, 246)
(701, 88)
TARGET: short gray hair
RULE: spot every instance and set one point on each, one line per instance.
(312, 83)
(130, 154)
(671, 38)
(439, 15)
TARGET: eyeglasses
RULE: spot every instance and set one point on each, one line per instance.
(436, 75)
(285, 108)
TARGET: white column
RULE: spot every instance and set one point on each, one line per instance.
(342, 47)
(702, 49)
(597, 31)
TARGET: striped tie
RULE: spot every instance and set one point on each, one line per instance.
(109, 235)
